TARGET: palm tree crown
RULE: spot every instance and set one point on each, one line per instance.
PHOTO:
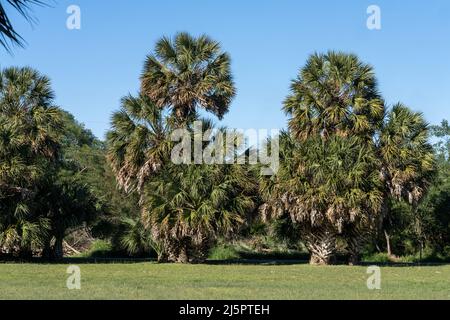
(138, 143)
(408, 157)
(186, 73)
(30, 127)
(335, 93)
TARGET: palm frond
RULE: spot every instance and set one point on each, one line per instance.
(8, 34)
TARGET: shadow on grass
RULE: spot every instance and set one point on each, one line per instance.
(77, 260)
(248, 260)
(338, 263)
(268, 262)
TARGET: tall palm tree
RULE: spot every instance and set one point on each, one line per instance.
(336, 114)
(188, 207)
(184, 207)
(186, 73)
(326, 187)
(30, 127)
(335, 93)
(7, 32)
(408, 159)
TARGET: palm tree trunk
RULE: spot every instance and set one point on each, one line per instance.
(356, 240)
(388, 243)
(322, 246)
(183, 256)
(198, 252)
(58, 248)
(47, 250)
(354, 248)
(163, 257)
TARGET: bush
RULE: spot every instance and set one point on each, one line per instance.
(377, 258)
(223, 252)
(99, 249)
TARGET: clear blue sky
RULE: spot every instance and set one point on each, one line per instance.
(269, 40)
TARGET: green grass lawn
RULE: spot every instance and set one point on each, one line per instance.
(153, 281)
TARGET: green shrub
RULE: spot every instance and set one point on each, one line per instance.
(377, 258)
(98, 249)
(428, 256)
(223, 252)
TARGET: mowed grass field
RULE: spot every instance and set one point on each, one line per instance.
(241, 282)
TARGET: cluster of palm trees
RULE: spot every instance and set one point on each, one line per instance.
(38, 204)
(345, 156)
(342, 158)
(184, 208)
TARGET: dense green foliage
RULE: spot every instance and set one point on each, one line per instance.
(356, 177)
(30, 127)
(185, 208)
(424, 229)
(187, 73)
(54, 176)
(345, 157)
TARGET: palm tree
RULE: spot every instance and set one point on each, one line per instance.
(29, 133)
(335, 93)
(186, 73)
(326, 187)
(188, 207)
(408, 158)
(184, 207)
(138, 144)
(135, 238)
(7, 32)
(67, 204)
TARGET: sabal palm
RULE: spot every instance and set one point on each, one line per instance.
(138, 143)
(335, 96)
(29, 133)
(408, 156)
(135, 238)
(325, 187)
(187, 73)
(67, 204)
(335, 93)
(30, 125)
(188, 207)
(185, 207)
